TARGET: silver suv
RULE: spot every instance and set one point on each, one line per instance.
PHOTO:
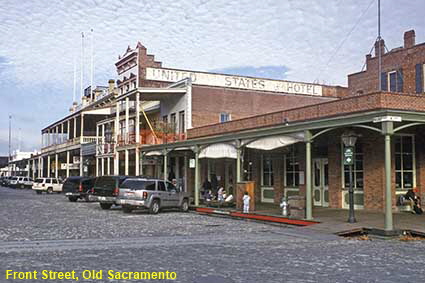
(151, 194)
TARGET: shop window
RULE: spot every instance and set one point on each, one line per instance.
(267, 168)
(357, 172)
(292, 168)
(224, 117)
(404, 162)
(247, 165)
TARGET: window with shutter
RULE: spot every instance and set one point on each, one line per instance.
(419, 78)
(400, 80)
(392, 79)
(384, 85)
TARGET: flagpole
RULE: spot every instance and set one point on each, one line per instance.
(91, 66)
(82, 67)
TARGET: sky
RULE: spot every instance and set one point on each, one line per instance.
(309, 41)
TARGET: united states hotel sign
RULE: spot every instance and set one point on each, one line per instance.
(209, 79)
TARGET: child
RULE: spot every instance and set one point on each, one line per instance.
(220, 194)
(246, 199)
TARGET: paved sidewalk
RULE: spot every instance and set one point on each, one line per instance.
(335, 220)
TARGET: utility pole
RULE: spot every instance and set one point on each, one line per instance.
(10, 138)
(379, 47)
(10, 145)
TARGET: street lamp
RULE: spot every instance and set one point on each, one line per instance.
(349, 139)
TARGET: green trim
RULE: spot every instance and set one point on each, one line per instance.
(407, 126)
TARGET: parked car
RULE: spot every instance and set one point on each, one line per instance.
(106, 190)
(23, 182)
(48, 185)
(76, 187)
(151, 194)
(2, 180)
(13, 182)
(5, 181)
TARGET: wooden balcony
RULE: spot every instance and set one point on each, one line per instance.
(147, 137)
(69, 143)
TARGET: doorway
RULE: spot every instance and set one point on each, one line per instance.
(321, 182)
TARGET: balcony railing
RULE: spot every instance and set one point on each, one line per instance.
(105, 149)
(147, 137)
(70, 142)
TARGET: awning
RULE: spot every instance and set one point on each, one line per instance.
(273, 142)
(218, 150)
(153, 153)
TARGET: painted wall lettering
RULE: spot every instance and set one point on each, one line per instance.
(169, 75)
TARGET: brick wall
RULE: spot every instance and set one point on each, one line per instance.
(335, 169)
(209, 102)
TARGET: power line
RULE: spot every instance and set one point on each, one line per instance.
(346, 37)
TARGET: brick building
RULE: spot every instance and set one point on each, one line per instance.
(283, 136)
(298, 150)
(157, 105)
(402, 69)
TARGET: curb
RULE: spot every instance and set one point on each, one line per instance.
(254, 216)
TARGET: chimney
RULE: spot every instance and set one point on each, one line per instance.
(382, 47)
(111, 84)
(409, 38)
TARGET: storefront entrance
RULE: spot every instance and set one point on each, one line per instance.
(320, 182)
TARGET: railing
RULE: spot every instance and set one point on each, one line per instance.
(147, 137)
(105, 149)
(70, 142)
(88, 139)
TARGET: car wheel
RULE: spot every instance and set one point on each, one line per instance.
(105, 205)
(185, 206)
(154, 209)
(38, 192)
(50, 190)
(127, 209)
(72, 199)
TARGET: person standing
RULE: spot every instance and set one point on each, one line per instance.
(246, 198)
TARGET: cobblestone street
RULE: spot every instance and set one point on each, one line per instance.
(46, 232)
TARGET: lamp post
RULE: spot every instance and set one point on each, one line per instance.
(349, 139)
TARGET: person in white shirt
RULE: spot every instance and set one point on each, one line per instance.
(246, 198)
(220, 194)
